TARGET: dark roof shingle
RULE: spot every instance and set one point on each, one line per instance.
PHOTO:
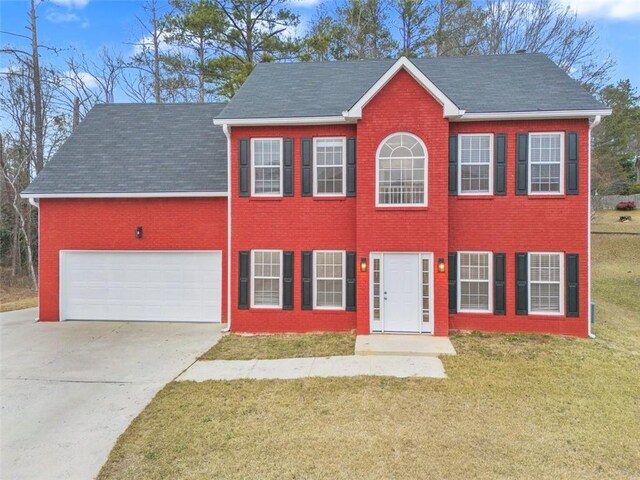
(477, 84)
(140, 148)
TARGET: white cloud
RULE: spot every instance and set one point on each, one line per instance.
(86, 78)
(54, 16)
(305, 3)
(612, 9)
(71, 3)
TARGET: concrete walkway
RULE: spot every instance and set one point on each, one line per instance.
(69, 389)
(404, 345)
(343, 366)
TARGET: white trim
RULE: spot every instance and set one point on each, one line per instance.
(426, 174)
(592, 124)
(561, 298)
(491, 160)
(530, 163)
(125, 195)
(344, 280)
(253, 279)
(62, 284)
(238, 122)
(489, 282)
(253, 167)
(227, 132)
(375, 326)
(449, 108)
(532, 115)
(428, 327)
(344, 168)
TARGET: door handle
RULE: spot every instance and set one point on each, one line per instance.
(385, 295)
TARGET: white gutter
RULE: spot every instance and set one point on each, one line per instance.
(227, 132)
(33, 201)
(125, 195)
(534, 115)
(592, 124)
(240, 122)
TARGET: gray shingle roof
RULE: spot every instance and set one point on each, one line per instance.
(140, 148)
(478, 84)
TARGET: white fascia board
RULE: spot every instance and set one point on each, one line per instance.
(250, 122)
(449, 108)
(535, 115)
(126, 195)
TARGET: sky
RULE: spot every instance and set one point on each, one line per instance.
(89, 25)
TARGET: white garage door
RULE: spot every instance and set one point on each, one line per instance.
(165, 286)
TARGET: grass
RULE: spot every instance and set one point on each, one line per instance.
(514, 406)
(249, 347)
(16, 292)
(609, 221)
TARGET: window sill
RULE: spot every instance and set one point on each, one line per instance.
(265, 199)
(330, 311)
(402, 209)
(329, 199)
(554, 196)
(476, 197)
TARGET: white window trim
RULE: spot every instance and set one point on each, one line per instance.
(344, 280)
(459, 283)
(561, 290)
(344, 168)
(253, 168)
(253, 280)
(426, 174)
(460, 191)
(529, 163)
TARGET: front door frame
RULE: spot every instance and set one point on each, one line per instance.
(378, 326)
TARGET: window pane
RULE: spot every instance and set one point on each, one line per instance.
(475, 163)
(266, 278)
(474, 281)
(329, 279)
(544, 274)
(267, 160)
(401, 171)
(329, 156)
(545, 162)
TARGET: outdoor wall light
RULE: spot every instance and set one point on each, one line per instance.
(363, 264)
(138, 232)
(441, 266)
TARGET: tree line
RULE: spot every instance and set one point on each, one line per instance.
(203, 50)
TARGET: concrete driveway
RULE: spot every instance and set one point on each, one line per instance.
(70, 389)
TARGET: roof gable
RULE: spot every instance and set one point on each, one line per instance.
(450, 109)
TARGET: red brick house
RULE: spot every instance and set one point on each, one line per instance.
(413, 196)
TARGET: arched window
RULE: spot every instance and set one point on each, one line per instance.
(402, 171)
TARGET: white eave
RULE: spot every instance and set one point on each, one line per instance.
(125, 195)
(450, 109)
(535, 115)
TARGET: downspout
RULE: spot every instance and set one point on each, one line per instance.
(592, 124)
(36, 204)
(227, 131)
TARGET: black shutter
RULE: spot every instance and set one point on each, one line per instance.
(287, 280)
(522, 287)
(522, 159)
(243, 154)
(500, 165)
(499, 302)
(307, 280)
(572, 163)
(351, 167)
(453, 164)
(351, 282)
(572, 285)
(453, 282)
(243, 284)
(287, 167)
(307, 167)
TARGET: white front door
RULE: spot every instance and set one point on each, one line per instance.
(401, 293)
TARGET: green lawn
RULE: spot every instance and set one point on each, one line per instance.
(609, 221)
(514, 406)
(249, 347)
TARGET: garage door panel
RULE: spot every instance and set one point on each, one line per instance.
(145, 286)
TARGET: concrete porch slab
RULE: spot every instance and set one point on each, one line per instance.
(405, 345)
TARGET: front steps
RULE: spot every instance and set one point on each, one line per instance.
(404, 345)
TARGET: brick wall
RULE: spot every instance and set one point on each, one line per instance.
(109, 224)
